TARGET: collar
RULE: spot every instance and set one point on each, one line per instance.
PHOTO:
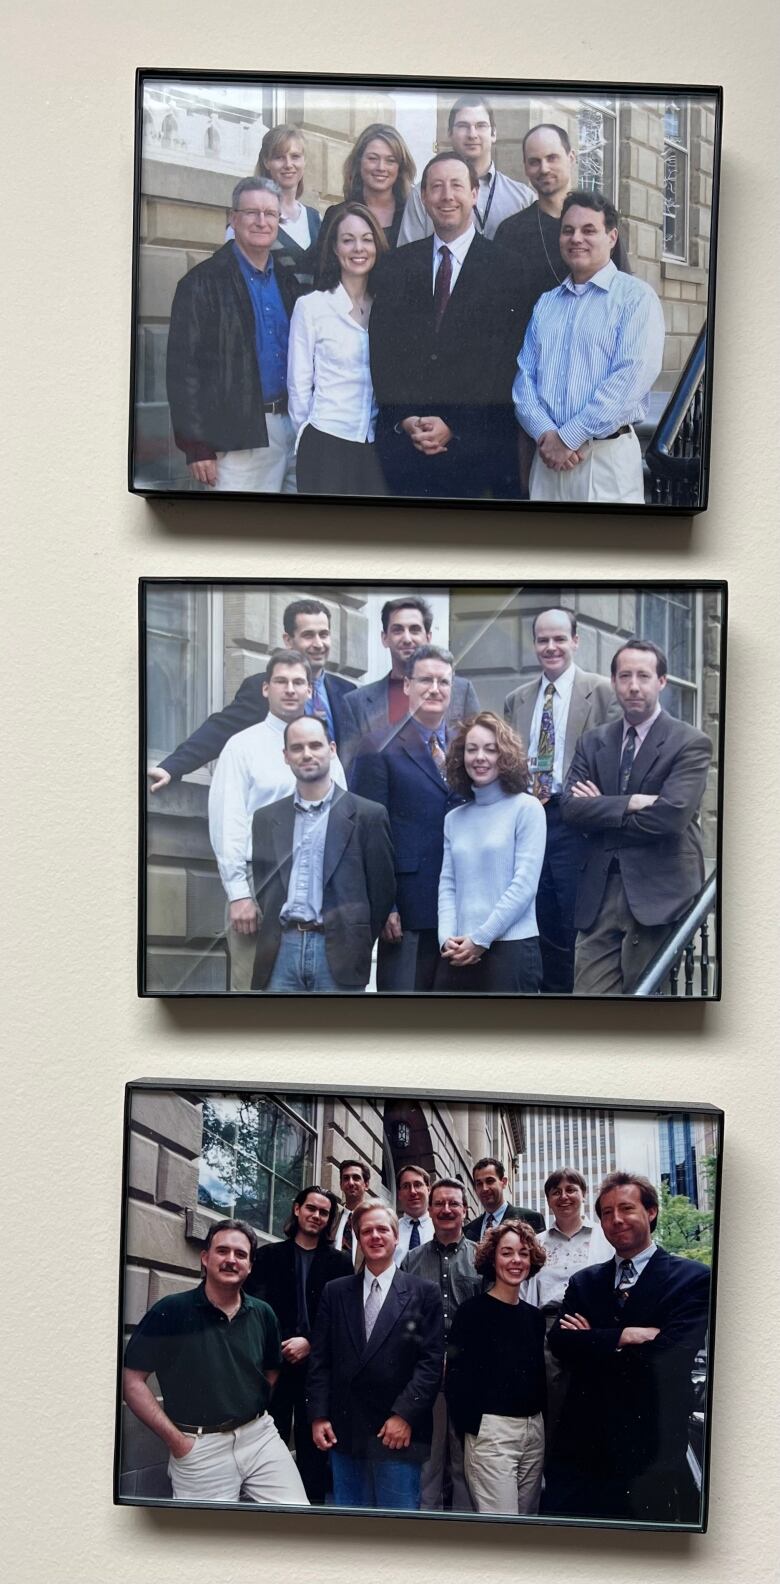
(201, 1297)
(427, 732)
(406, 1220)
(274, 724)
(460, 246)
(342, 303)
(639, 1261)
(641, 731)
(489, 175)
(562, 684)
(446, 1248)
(251, 269)
(307, 807)
(603, 279)
(384, 1278)
(568, 1237)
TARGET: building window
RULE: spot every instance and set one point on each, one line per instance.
(255, 1156)
(670, 620)
(597, 161)
(181, 630)
(675, 181)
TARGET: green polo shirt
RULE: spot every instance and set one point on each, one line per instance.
(209, 1368)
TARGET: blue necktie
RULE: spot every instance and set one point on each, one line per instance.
(414, 1237)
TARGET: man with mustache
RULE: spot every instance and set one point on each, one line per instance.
(216, 1354)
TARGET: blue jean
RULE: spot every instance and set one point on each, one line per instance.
(391, 1483)
(302, 963)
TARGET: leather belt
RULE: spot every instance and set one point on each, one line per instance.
(219, 1429)
(278, 406)
(616, 433)
(306, 926)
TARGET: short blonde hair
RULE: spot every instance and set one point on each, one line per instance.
(359, 1215)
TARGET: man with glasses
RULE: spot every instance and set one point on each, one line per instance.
(471, 127)
(290, 1276)
(227, 355)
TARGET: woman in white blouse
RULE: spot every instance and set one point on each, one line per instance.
(493, 850)
(331, 398)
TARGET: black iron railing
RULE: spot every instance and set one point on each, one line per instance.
(662, 975)
(674, 454)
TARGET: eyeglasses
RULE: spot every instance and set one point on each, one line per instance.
(259, 214)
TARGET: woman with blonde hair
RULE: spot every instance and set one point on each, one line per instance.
(330, 395)
(495, 1376)
(379, 172)
(493, 852)
(282, 158)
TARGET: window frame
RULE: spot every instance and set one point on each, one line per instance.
(683, 148)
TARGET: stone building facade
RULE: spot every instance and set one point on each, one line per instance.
(194, 1157)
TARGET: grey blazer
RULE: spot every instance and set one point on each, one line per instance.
(365, 711)
(592, 703)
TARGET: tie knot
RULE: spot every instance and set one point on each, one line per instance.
(549, 692)
(415, 1223)
(444, 251)
(631, 734)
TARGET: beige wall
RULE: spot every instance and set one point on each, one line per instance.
(74, 543)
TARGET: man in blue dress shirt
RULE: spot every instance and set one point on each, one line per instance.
(227, 355)
(590, 357)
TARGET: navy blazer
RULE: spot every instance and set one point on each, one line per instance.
(273, 1278)
(473, 1229)
(660, 851)
(247, 708)
(358, 1385)
(401, 775)
(367, 711)
(626, 1412)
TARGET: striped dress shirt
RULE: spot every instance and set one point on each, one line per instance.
(590, 358)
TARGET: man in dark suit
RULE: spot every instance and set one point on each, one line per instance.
(490, 1184)
(550, 713)
(227, 376)
(445, 330)
(405, 773)
(375, 1369)
(306, 628)
(628, 1332)
(323, 875)
(290, 1276)
(634, 790)
(407, 622)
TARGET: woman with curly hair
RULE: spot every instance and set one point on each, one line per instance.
(282, 158)
(379, 172)
(493, 852)
(331, 398)
(494, 1380)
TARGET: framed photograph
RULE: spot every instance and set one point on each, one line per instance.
(463, 1306)
(402, 289)
(463, 789)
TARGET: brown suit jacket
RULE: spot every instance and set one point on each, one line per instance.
(592, 703)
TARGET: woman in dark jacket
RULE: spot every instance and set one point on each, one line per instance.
(282, 158)
(379, 172)
(495, 1378)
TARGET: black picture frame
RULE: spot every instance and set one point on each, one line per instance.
(176, 868)
(157, 1111)
(668, 176)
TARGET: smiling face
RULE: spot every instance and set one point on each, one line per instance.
(471, 134)
(428, 691)
(448, 1213)
(566, 1201)
(480, 756)
(312, 1216)
(489, 1187)
(378, 168)
(413, 1194)
(554, 642)
(287, 690)
(354, 246)
(228, 1260)
(586, 244)
(625, 1222)
(512, 1260)
(287, 165)
(256, 222)
(312, 638)
(449, 198)
(547, 165)
(405, 633)
(637, 684)
(377, 1238)
(352, 1186)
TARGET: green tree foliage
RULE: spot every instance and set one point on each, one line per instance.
(682, 1228)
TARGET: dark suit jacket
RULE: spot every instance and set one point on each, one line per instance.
(401, 775)
(365, 712)
(592, 703)
(513, 1213)
(358, 883)
(461, 373)
(248, 708)
(273, 1279)
(626, 1413)
(213, 378)
(661, 859)
(357, 1385)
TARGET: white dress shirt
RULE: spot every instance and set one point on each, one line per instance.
(639, 1261)
(385, 1279)
(328, 374)
(250, 773)
(458, 249)
(561, 702)
(405, 1222)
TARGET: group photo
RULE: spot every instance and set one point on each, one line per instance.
(463, 790)
(455, 292)
(496, 1309)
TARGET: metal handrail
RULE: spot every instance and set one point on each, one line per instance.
(658, 456)
(667, 959)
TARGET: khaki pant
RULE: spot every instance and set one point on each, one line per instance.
(269, 470)
(504, 1463)
(611, 471)
(610, 957)
(251, 1462)
(242, 950)
(446, 1458)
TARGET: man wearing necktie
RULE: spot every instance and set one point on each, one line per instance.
(634, 790)
(404, 771)
(549, 713)
(415, 1227)
(374, 1372)
(628, 1333)
(354, 1178)
(444, 333)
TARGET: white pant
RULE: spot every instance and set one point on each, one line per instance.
(269, 469)
(504, 1464)
(252, 1462)
(611, 471)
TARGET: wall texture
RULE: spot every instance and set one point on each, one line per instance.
(73, 544)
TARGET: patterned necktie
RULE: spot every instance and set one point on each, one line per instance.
(627, 1278)
(490, 1221)
(316, 704)
(439, 758)
(346, 1236)
(442, 286)
(372, 1307)
(414, 1236)
(627, 758)
(541, 785)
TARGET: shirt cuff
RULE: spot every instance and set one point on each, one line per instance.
(238, 891)
(573, 435)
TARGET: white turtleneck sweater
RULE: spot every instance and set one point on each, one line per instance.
(493, 852)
